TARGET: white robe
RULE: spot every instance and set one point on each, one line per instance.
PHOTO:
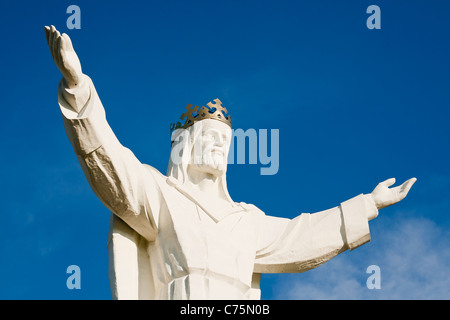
(167, 242)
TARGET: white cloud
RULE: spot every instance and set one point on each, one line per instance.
(413, 255)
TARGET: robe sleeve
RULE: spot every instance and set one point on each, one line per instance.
(309, 240)
(118, 178)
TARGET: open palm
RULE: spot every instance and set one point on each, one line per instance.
(384, 197)
(64, 56)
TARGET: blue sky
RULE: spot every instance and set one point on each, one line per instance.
(353, 107)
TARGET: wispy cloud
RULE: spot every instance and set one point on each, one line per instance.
(413, 255)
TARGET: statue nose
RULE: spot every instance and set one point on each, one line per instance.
(218, 142)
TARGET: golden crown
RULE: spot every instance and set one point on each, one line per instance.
(194, 114)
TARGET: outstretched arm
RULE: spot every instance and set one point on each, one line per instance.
(117, 177)
(309, 240)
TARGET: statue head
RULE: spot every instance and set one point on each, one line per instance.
(201, 144)
(210, 146)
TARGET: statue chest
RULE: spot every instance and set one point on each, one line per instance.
(191, 241)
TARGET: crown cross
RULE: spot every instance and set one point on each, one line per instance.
(195, 113)
(189, 114)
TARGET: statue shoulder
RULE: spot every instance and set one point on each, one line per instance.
(251, 208)
(152, 169)
(155, 172)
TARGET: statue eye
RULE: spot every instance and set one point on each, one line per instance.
(208, 137)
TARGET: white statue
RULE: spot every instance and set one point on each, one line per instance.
(181, 236)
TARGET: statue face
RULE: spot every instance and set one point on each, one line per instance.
(211, 147)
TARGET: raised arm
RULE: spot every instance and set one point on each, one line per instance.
(118, 178)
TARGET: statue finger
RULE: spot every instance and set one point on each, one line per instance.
(55, 46)
(406, 186)
(63, 47)
(69, 45)
(64, 42)
(47, 34)
(53, 38)
(387, 183)
(58, 50)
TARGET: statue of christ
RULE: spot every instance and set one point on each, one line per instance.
(180, 235)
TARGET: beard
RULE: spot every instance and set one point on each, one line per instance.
(211, 163)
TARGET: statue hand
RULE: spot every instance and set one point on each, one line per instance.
(384, 197)
(64, 56)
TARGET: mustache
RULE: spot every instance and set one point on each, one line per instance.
(217, 150)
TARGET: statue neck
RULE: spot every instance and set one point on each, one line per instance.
(207, 183)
